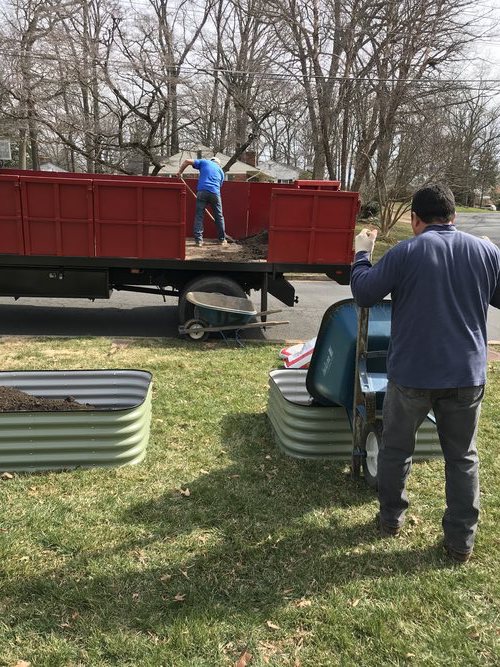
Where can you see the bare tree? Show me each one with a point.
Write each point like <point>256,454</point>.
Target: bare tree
<point>242,62</point>
<point>472,144</point>
<point>410,44</point>
<point>26,24</point>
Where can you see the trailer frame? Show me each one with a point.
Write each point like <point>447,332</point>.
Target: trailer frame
<point>97,277</point>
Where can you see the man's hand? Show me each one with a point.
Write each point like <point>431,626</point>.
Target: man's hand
<point>365,241</point>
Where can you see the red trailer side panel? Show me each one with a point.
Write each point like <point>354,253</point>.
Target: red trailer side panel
<point>234,207</point>
<point>142,219</point>
<point>235,196</point>
<point>312,226</point>
<point>11,222</point>
<point>259,205</point>
<point>57,216</point>
<point>318,185</point>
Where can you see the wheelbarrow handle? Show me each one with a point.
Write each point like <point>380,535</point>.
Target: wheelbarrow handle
<point>236,327</point>
<point>268,312</point>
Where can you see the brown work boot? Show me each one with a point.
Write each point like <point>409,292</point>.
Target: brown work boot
<point>385,529</point>
<point>457,556</point>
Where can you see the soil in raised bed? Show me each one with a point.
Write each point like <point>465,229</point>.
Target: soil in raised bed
<point>15,400</point>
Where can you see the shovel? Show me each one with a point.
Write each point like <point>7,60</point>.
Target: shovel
<point>229,239</point>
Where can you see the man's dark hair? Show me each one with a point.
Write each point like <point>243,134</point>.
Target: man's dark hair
<point>434,203</point>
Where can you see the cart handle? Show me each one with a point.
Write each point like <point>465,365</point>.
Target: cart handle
<point>235,327</point>
<point>268,312</point>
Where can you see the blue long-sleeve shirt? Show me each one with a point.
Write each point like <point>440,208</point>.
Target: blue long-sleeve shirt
<point>441,283</point>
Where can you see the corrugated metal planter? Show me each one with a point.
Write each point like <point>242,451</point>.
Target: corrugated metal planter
<point>115,433</point>
<point>306,430</point>
<point>303,430</point>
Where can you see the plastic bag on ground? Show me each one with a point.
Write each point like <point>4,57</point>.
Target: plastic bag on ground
<point>300,358</point>
<point>287,352</point>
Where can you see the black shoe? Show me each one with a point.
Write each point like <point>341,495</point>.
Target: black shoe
<point>198,243</point>
<point>385,529</point>
<point>222,242</point>
<point>457,556</point>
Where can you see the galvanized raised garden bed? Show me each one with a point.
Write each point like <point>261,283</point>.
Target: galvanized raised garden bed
<point>114,432</point>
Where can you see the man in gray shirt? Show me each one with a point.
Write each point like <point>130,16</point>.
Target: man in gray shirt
<point>441,283</point>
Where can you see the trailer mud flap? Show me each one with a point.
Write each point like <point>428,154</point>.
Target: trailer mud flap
<point>282,290</point>
<point>54,281</point>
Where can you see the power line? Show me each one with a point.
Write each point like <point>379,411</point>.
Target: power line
<point>212,71</point>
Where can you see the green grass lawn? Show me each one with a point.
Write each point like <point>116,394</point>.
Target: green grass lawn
<point>400,231</point>
<point>217,544</point>
<point>472,209</point>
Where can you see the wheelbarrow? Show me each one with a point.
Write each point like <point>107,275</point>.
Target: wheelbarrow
<point>342,393</point>
<point>349,369</point>
<point>219,313</point>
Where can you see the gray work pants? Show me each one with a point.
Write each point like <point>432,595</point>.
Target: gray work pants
<point>457,415</point>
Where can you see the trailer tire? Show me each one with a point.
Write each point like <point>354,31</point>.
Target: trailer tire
<point>371,439</point>
<point>216,283</point>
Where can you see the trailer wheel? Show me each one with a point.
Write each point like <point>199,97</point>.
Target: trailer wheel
<point>371,439</point>
<point>216,283</point>
<point>194,329</point>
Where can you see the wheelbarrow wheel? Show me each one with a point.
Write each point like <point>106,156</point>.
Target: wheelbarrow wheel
<point>206,283</point>
<point>371,439</point>
<point>195,329</point>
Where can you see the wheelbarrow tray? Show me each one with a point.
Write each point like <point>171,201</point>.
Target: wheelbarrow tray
<point>331,376</point>
<point>219,310</point>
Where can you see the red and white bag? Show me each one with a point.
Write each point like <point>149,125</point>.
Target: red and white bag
<point>301,357</point>
<point>287,352</point>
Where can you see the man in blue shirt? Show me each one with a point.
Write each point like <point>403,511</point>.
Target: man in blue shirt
<point>208,192</point>
<point>441,283</point>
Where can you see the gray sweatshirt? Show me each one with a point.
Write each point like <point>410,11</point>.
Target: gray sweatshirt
<point>441,284</point>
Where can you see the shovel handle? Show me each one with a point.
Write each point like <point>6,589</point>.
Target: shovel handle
<point>194,195</point>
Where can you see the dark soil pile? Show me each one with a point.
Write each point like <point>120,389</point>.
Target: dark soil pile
<point>256,245</point>
<point>250,249</point>
<point>14,400</point>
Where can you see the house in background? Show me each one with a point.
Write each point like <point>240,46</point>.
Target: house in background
<point>281,173</point>
<point>239,171</point>
<point>482,200</point>
<point>46,165</point>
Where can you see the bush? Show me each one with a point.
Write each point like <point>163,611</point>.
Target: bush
<point>369,210</point>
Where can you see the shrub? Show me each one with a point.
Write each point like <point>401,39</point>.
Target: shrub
<point>369,210</point>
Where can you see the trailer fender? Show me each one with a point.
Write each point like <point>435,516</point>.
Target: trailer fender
<point>280,288</point>
<point>207,283</point>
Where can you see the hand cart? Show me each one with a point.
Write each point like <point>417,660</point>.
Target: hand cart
<point>219,313</point>
<point>348,369</point>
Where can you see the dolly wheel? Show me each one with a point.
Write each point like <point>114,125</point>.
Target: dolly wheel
<point>195,329</point>
<point>371,439</point>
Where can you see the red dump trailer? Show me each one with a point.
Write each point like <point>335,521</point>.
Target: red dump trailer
<point>84,235</point>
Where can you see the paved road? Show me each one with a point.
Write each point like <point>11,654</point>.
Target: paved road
<point>480,224</point>
<point>129,314</point>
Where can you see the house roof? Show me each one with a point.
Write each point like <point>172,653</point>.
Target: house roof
<point>172,164</point>
<point>280,171</point>
<point>50,166</point>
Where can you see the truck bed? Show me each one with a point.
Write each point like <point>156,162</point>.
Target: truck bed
<point>246,250</point>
